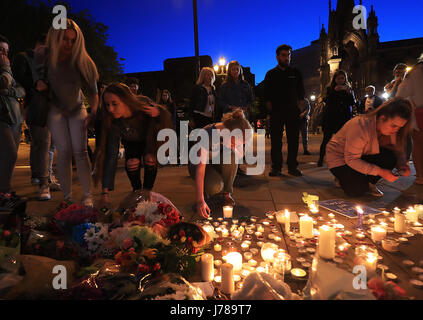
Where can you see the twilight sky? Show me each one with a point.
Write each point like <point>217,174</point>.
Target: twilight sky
<point>146,32</point>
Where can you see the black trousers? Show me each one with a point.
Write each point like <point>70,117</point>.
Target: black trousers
<point>292,127</point>
<point>327,135</point>
<point>356,184</point>
<point>136,150</point>
<point>201,121</point>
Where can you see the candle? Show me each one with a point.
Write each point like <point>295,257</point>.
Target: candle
<point>287,221</point>
<point>260,228</point>
<point>271,236</point>
<point>259,243</point>
<point>278,239</point>
<point>419,209</point>
<point>331,215</point>
<point>235,221</point>
<point>412,215</point>
<point>217,247</point>
<point>218,279</point>
<point>207,267</point>
<point>306,227</point>
<point>371,262</point>
<point>252,262</point>
<point>261,270</point>
<point>248,255</point>
<point>298,273</point>
<point>217,263</point>
<point>360,214</point>
<point>280,217</point>
<point>254,251</point>
<point>253,219</point>
<point>313,208</point>
<point>220,219</point>
<point>378,233</point>
<point>245,246</point>
<point>268,251</point>
<point>400,223</point>
<point>245,273</point>
<point>258,234</point>
<point>235,258</point>
<point>227,212</point>
<point>327,242</point>
<point>210,230</point>
<point>225,233</point>
<point>228,283</point>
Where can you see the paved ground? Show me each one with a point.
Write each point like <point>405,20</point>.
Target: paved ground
<point>254,195</point>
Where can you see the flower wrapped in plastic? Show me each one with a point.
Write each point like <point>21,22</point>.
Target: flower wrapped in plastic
<point>168,287</point>
<point>65,219</point>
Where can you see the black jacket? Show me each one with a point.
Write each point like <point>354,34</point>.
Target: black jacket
<point>338,110</point>
<point>199,99</point>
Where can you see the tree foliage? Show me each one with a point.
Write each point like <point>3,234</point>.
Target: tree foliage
<point>22,22</point>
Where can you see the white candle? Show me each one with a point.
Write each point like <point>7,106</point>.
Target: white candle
<point>287,221</point>
<point>225,233</point>
<point>378,233</point>
<point>207,267</point>
<point>400,223</point>
<point>306,227</point>
<point>280,217</point>
<point>210,230</point>
<point>235,258</point>
<point>412,215</point>
<point>227,212</point>
<point>228,284</point>
<point>245,246</point>
<point>371,262</point>
<point>419,209</point>
<point>268,251</point>
<point>327,242</point>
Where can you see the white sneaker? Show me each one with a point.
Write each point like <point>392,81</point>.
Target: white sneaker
<point>88,201</point>
<point>374,191</point>
<point>44,194</point>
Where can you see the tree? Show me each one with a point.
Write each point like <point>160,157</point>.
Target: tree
<point>23,21</point>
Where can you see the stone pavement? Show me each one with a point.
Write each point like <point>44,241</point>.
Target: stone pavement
<point>254,195</point>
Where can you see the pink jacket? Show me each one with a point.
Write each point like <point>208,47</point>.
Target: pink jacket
<point>358,138</point>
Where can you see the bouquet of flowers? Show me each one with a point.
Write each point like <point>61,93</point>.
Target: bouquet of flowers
<point>385,290</point>
<point>65,219</point>
<point>150,213</point>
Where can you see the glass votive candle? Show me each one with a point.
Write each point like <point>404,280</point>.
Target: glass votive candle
<point>245,273</point>
<point>245,246</point>
<point>254,251</point>
<point>217,247</point>
<point>271,236</point>
<point>217,263</point>
<point>253,219</point>
<point>278,239</point>
<point>220,219</point>
<point>259,228</point>
<point>258,234</point>
<point>235,221</point>
<point>378,233</point>
<point>252,262</point>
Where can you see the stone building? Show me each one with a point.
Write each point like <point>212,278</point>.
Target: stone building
<point>358,52</point>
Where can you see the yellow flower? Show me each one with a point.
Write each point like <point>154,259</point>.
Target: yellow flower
<point>183,239</point>
<point>149,253</point>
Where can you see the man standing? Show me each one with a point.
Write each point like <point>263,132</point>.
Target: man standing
<point>370,102</point>
<point>284,96</point>
<point>134,85</point>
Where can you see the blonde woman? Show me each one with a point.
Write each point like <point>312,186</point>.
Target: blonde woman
<point>65,69</point>
<point>216,177</point>
<point>203,99</point>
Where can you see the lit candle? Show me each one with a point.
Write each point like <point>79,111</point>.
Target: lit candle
<point>378,233</point>
<point>360,214</point>
<point>217,247</point>
<point>298,273</point>
<point>225,233</point>
<point>271,236</point>
<point>228,283</point>
<point>248,255</point>
<point>371,262</point>
<point>287,221</point>
<point>278,239</point>
<point>313,208</point>
<point>280,217</point>
<point>261,270</point>
<point>235,258</point>
<point>331,215</point>
<point>306,227</point>
<point>268,251</point>
<point>258,234</point>
<point>227,212</point>
<point>210,230</point>
<point>217,263</point>
<point>260,228</point>
<point>400,223</point>
<point>245,273</point>
<point>419,209</point>
<point>218,279</point>
<point>245,246</point>
<point>220,219</point>
<point>252,262</point>
<point>327,242</point>
<point>207,268</point>
<point>412,215</point>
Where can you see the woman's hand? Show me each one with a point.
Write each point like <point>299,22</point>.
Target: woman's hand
<point>153,112</point>
<point>203,209</point>
<point>388,175</point>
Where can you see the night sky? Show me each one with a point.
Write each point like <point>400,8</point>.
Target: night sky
<point>146,32</point>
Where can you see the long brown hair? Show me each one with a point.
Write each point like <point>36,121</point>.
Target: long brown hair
<point>335,75</point>
<point>229,78</point>
<point>396,107</point>
<point>137,106</point>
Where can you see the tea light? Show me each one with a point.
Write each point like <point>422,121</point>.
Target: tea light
<point>378,233</point>
<point>237,278</point>
<point>331,215</point>
<point>245,273</point>
<point>266,223</point>
<point>306,227</point>
<point>271,236</point>
<point>260,228</point>
<point>248,255</point>
<point>400,223</point>
<point>245,246</point>
<point>268,251</point>
<point>216,224</point>
<point>261,270</point>
<point>313,208</point>
<point>218,279</point>
<point>253,219</point>
<point>360,236</point>
<point>217,247</point>
<point>225,233</point>
<point>278,239</point>
<point>298,273</point>
<point>390,245</point>
<point>252,262</point>
<point>235,221</point>
<point>228,283</point>
<point>419,209</point>
<point>217,263</point>
<point>220,219</point>
<point>207,268</point>
<point>227,212</point>
<point>391,276</point>
<point>254,251</point>
<point>258,234</point>
<point>259,243</point>
<point>327,242</point>
<point>225,223</point>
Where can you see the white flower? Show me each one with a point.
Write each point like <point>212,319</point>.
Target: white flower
<point>149,211</point>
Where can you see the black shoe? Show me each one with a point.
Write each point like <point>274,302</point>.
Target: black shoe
<point>241,172</point>
<point>307,153</point>
<point>320,163</point>
<point>295,173</point>
<point>275,173</point>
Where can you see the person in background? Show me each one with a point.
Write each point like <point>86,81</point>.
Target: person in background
<point>370,102</point>
<point>338,111</point>
<point>284,95</point>
<point>11,119</point>
<point>203,100</point>
<point>136,120</point>
<point>235,93</point>
<point>65,69</point>
<point>41,150</point>
<point>411,88</point>
<point>369,147</point>
<point>216,177</point>
<point>399,74</point>
<point>134,85</point>
<point>305,118</point>
<point>166,100</point>
<point>316,117</point>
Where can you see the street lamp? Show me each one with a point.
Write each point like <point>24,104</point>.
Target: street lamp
<point>216,68</point>
<point>222,61</point>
